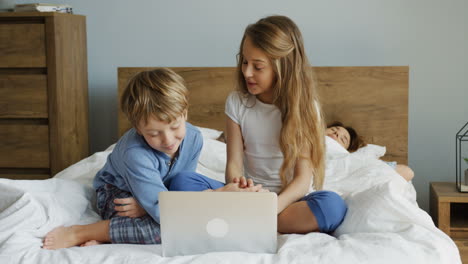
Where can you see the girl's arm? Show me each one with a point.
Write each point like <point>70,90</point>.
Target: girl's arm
<point>299,186</point>
<point>235,150</point>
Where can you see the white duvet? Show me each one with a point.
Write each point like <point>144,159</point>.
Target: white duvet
<point>383,224</point>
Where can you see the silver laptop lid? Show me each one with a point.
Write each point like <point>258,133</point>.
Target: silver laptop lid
<point>201,222</point>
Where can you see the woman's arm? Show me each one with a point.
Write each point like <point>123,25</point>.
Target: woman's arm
<point>299,186</point>
<point>406,172</point>
<point>235,150</point>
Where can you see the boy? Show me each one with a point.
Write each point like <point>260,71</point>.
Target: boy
<point>144,161</point>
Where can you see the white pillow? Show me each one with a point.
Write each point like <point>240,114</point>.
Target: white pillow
<point>372,150</point>
<point>334,149</point>
<point>212,161</point>
<point>209,133</point>
<point>340,164</point>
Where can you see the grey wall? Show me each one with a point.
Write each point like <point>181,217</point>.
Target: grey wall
<point>428,35</point>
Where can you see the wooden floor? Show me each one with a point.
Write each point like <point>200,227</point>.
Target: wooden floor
<point>463,247</point>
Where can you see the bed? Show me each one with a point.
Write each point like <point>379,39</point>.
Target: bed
<point>383,225</point>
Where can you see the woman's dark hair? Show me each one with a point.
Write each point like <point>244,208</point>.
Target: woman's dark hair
<point>355,141</point>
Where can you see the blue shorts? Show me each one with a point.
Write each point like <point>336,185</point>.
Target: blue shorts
<point>328,207</point>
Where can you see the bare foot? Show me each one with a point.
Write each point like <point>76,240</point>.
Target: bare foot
<point>61,237</point>
<point>91,243</point>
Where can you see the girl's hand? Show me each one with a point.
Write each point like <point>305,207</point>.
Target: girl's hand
<point>243,182</point>
<point>235,187</point>
<point>128,207</point>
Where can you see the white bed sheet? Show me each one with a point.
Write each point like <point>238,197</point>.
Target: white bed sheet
<point>383,225</point>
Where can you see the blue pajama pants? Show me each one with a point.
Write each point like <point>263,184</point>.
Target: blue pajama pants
<point>328,207</point>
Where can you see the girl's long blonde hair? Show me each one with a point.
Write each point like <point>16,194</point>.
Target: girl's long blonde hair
<point>295,94</point>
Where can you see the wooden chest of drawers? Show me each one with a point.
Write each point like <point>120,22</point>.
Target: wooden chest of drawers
<point>43,93</point>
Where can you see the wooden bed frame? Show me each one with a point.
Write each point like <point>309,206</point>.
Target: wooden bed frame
<point>373,100</point>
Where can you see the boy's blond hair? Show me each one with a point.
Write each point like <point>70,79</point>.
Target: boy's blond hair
<point>159,93</point>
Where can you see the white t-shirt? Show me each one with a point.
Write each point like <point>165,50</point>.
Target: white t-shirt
<point>260,124</point>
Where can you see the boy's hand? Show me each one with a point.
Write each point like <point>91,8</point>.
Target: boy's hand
<point>128,207</point>
<point>243,182</point>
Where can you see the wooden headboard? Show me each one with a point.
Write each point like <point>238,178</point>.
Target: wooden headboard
<point>373,100</point>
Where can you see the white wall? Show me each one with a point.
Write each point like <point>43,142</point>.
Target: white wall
<point>430,36</point>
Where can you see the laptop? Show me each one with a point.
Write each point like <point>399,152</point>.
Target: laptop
<point>202,222</point>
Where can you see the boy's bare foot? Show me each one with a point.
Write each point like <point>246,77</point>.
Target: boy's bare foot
<point>91,243</point>
<point>61,237</point>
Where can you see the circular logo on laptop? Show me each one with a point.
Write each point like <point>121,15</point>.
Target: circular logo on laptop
<point>217,227</point>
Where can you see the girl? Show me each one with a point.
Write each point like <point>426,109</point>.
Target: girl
<point>275,132</point>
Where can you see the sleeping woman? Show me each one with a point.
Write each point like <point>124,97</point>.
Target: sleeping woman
<point>347,137</point>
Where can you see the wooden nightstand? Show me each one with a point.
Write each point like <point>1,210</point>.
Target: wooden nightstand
<point>449,210</point>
